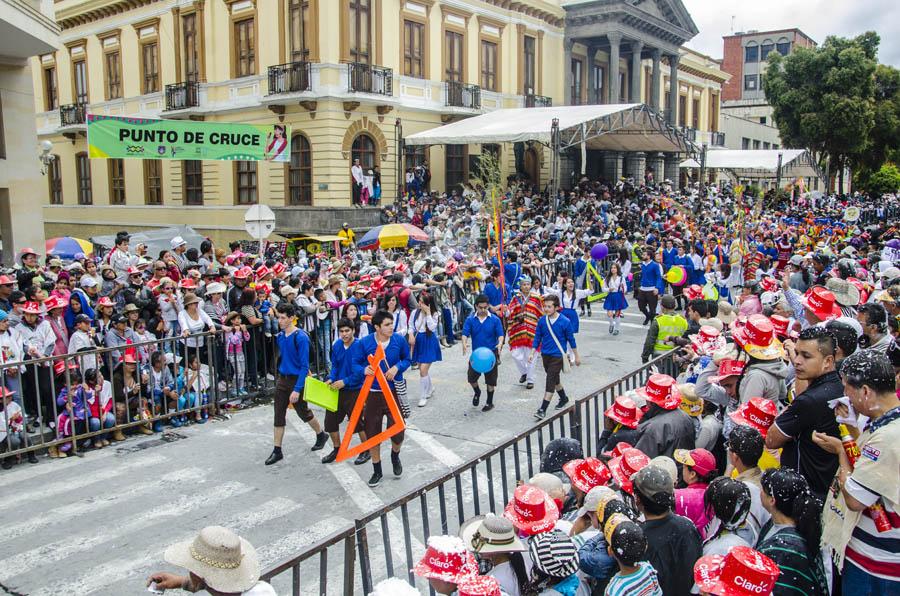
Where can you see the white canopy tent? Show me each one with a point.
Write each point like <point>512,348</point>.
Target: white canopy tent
<point>760,163</point>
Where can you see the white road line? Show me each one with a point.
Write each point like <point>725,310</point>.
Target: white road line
<point>45,491</point>
<point>112,571</point>
<point>74,543</point>
<point>113,495</point>
<point>293,544</point>
<point>27,471</point>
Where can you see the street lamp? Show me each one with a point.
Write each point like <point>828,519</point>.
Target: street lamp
<point>46,158</point>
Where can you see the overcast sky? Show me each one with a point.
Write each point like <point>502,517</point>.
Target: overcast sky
<point>816,18</point>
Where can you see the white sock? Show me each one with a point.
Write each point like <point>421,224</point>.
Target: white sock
<point>423,385</point>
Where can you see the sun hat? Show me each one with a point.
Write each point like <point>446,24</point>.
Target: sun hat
<point>287,289</point>
<point>587,473</point>
<point>490,534</point>
<point>177,241</point>
<point>716,324</point>
<point>624,411</point>
<point>215,287</point>
<point>279,268</point>
<point>768,284</point>
<point>757,338</point>
<point>626,466</point>
<point>618,449</point>
<point>130,307</point>
<point>187,283</point>
<point>691,404</point>
<point>393,586</point>
<point>88,282</point>
<point>225,561</point>
<point>31,308</point>
<point>890,274</point>
<point>594,498</point>
<point>742,572</point>
<point>702,461</point>
<point>447,559</point>
<point>758,412</point>
<point>667,465</point>
<point>726,313</point>
<point>661,390</point>
<point>190,299</point>
<point>531,510</point>
<point>707,340</point>
<point>54,302</point>
<point>655,484</point>
<point>262,271</point>
<point>105,301</point>
<point>728,368</point>
<point>554,554</point>
<point>822,303</point>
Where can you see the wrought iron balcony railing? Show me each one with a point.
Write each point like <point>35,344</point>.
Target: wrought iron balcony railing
<point>292,77</point>
<point>180,96</point>
<point>460,95</point>
<point>365,78</point>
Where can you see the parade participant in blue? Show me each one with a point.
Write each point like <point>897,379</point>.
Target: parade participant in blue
<point>670,253</point>
<point>569,297</point>
<point>485,331</point>
<point>685,261</point>
<point>426,349</point>
<point>651,285</point>
<point>342,378</point>
<point>498,293</point>
<point>615,301</point>
<point>553,337</point>
<point>583,276</point>
<point>396,362</point>
<point>512,271</point>
<point>293,366</point>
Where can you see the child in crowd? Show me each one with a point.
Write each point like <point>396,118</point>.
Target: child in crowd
<point>234,350</point>
<point>73,413</point>
<point>196,387</point>
<point>97,395</point>
<point>264,305</point>
<point>697,471</point>
<point>628,546</point>
<point>12,424</point>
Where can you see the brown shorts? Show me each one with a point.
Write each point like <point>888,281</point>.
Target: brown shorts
<point>283,388</point>
<point>490,377</point>
<point>552,366</point>
<point>346,401</point>
<point>374,411</point>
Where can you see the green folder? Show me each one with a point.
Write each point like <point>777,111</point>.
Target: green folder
<point>319,393</point>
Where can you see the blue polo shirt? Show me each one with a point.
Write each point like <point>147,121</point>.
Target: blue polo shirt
<point>495,294</point>
<point>484,334</point>
<point>396,354</point>
<point>342,364</point>
<point>562,329</point>
<point>294,349</point>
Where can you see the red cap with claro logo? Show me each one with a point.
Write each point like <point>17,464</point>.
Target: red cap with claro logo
<point>531,510</point>
<point>585,474</point>
<point>742,572</point>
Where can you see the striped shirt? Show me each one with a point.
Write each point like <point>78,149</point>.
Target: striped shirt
<point>642,582</point>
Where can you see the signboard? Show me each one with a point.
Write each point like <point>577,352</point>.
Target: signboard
<point>112,137</point>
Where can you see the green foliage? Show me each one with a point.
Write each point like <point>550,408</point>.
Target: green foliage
<point>753,190</point>
<point>885,180</point>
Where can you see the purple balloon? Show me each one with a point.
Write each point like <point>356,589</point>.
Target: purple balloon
<point>599,251</point>
<point>893,243</point>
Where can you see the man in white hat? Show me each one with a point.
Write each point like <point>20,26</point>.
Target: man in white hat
<point>179,247</point>
<point>218,561</point>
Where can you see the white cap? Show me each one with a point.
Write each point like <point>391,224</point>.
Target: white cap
<point>88,282</point>
<point>177,241</point>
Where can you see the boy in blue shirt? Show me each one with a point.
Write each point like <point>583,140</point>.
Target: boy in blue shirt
<point>342,378</point>
<point>486,331</point>
<point>553,337</point>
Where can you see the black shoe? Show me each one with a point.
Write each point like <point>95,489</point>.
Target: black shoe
<point>476,399</point>
<point>395,463</point>
<point>7,463</point>
<point>375,480</point>
<point>362,458</point>
<point>32,458</point>
<point>274,458</point>
<point>321,439</point>
<point>330,457</point>
<point>529,386</point>
<point>562,403</point>
<point>646,322</point>
<point>487,407</point>
<point>540,414</point>
<point>522,379</point>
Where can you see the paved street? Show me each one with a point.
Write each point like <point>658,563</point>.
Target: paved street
<point>99,524</point>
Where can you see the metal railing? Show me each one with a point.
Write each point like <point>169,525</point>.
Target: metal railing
<point>689,133</point>
<point>292,77</point>
<point>180,96</point>
<point>72,114</point>
<point>537,101</point>
<point>387,542</point>
<point>461,95</point>
<point>365,78</point>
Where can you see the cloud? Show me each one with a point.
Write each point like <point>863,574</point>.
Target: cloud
<point>816,18</point>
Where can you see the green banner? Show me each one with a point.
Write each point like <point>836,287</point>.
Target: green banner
<point>112,137</point>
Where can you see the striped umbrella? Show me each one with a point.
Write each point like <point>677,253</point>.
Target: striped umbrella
<point>66,247</point>
<point>392,236</point>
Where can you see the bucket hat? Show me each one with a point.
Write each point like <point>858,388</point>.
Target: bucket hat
<point>742,572</point>
<point>587,473</point>
<point>447,559</point>
<point>191,299</point>
<point>691,404</point>
<point>662,391</point>
<point>726,313</point>
<point>554,554</point>
<point>490,534</point>
<point>627,465</point>
<point>531,510</point>
<point>758,339</point>
<point>757,412</point>
<point>226,562</point>
<point>707,340</point>
<point>822,303</point>
<point>215,287</point>
<point>624,411</point>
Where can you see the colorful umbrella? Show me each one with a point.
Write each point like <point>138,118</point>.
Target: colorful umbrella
<point>67,247</point>
<point>392,236</point>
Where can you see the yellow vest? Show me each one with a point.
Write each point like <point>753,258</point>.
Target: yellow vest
<point>669,326</point>
<point>635,257</point>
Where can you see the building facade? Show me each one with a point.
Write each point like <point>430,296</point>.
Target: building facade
<point>28,30</point>
<point>348,76</point>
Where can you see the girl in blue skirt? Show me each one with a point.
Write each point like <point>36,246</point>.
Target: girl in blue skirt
<point>423,340</point>
<point>615,301</point>
<point>569,297</point>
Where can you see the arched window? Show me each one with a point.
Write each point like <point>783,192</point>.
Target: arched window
<point>364,151</point>
<point>299,172</point>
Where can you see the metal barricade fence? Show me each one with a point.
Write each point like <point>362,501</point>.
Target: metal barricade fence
<point>388,542</point>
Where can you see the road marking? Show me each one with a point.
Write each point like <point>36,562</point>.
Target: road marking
<point>71,544</point>
<point>291,545</point>
<point>105,473</point>
<point>101,577</point>
<point>114,494</point>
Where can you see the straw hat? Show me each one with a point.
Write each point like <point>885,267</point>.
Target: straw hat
<point>758,339</point>
<point>226,562</point>
<point>490,534</point>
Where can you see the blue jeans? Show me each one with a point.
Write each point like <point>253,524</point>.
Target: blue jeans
<point>323,341</point>
<point>856,582</point>
<point>109,421</point>
<point>447,318</point>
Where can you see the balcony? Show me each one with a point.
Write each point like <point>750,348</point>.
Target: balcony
<point>293,77</point>
<point>365,78</point>
<point>72,114</point>
<point>537,101</point>
<point>460,95</point>
<point>181,96</point>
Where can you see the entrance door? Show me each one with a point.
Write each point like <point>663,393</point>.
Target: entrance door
<point>533,165</point>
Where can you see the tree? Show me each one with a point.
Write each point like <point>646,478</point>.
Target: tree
<point>885,180</point>
<point>824,98</point>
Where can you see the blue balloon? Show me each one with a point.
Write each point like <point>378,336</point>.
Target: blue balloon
<point>599,251</point>
<point>483,360</point>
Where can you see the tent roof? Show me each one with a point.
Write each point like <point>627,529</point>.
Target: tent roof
<point>758,159</point>
<point>615,127</point>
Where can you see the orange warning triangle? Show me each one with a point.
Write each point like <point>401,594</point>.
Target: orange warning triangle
<point>345,451</point>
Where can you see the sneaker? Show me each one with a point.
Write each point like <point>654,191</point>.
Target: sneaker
<point>321,439</point>
<point>540,414</point>
<point>487,407</point>
<point>331,456</point>
<point>362,458</point>
<point>275,457</point>
<point>615,332</point>
<point>521,379</point>
<point>562,403</point>
<point>7,463</point>
<point>530,385</point>
<point>423,401</point>
<point>375,480</point>
<point>32,458</point>
<point>397,466</point>
<point>270,377</point>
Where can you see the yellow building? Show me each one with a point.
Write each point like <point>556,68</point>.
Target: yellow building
<point>346,75</point>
